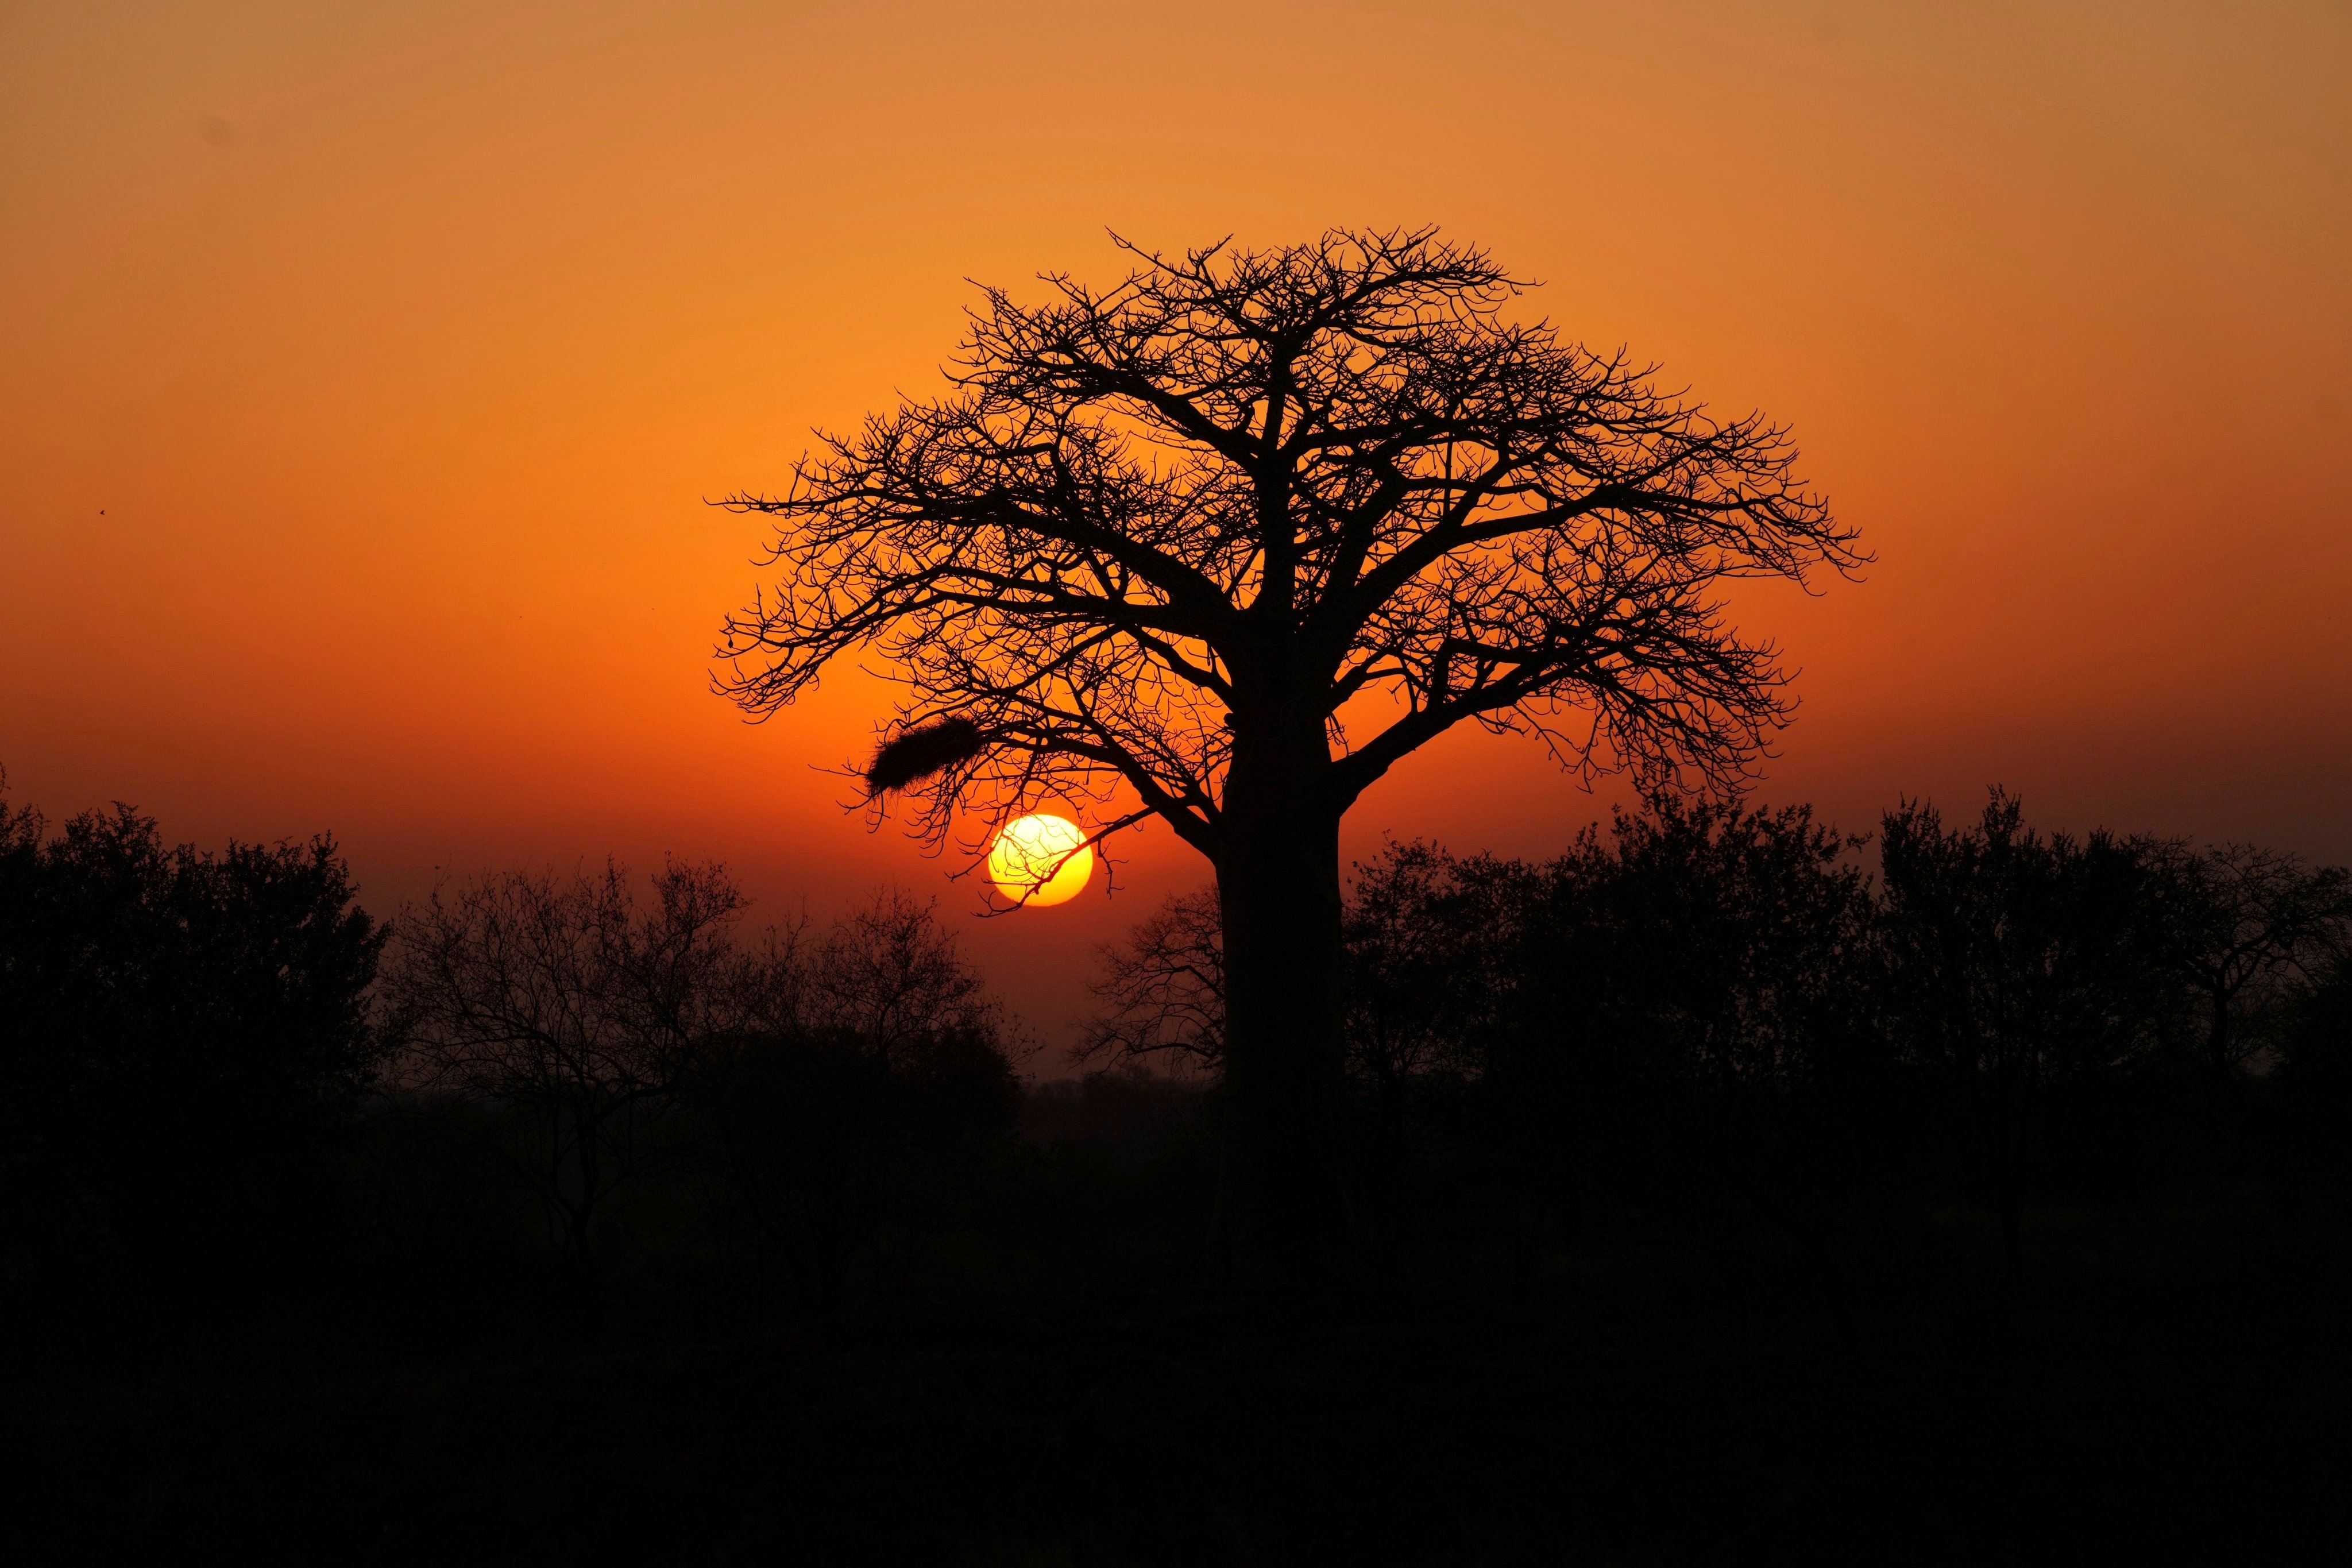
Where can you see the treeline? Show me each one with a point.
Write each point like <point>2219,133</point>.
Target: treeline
<point>1716,1003</point>
<point>777,1112</point>
<point>226,1078</point>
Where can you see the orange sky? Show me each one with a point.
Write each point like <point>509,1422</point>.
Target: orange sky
<point>398,345</point>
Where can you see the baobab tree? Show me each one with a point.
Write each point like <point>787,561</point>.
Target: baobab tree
<point>1222,543</point>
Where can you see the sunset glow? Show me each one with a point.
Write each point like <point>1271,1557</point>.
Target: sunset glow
<point>369,368</point>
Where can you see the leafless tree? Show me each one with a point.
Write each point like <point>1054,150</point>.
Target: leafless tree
<point>846,1116</point>
<point>888,973</point>
<point>2259,921</point>
<point>571,1006</point>
<point>1223,543</point>
<point>1162,989</point>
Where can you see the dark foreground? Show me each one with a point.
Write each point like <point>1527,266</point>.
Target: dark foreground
<point>1710,1201</point>
<point>2171,1380</point>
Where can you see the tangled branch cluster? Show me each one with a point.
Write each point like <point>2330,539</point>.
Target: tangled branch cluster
<point>1333,481</point>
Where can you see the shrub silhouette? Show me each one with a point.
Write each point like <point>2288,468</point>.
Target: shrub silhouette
<point>186,1032</point>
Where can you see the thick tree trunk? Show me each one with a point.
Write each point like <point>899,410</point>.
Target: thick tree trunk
<point>1278,891</point>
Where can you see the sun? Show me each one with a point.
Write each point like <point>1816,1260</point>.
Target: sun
<point>1041,848</point>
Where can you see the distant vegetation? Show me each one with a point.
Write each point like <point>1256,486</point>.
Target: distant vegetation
<point>1701,1069</point>
<point>1714,997</point>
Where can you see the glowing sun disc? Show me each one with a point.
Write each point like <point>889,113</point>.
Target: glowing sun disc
<point>1045,850</point>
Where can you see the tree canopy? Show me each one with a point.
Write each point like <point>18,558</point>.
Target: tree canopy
<point>1239,496</point>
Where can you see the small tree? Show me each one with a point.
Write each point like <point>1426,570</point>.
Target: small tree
<point>185,1033</point>
<point>1162,988</point>
<point>864,1092</point>
<point>2261,923</point>
<point>577,1011</point>
<point>1223,544</point>
<point>2019,965</point>
<point>1722,943</point>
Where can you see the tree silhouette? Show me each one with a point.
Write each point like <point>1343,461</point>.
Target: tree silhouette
<point>184,1035</point>
<point>1223,543</point>
<point>849,1114</point>
<point>2018,966</point>
<point>572,1007</point>
<point>1162,988</point>
<point>2261,921</point>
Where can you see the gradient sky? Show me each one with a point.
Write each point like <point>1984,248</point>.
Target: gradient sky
<point>398,345</point>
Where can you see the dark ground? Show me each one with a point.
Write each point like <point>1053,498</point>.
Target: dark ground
<point>2169,1382</point>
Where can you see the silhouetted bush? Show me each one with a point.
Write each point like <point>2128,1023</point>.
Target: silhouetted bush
<point>188,1037</point>
<point>2026,979</point>
<point>850,1117</point>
